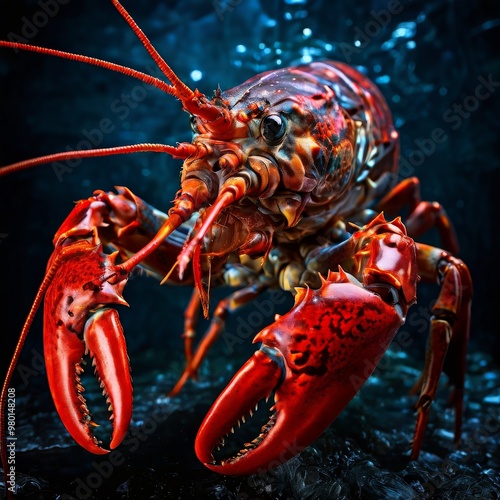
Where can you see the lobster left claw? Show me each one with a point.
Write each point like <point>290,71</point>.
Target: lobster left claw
<point>317,356</point>
<point>76,322</point>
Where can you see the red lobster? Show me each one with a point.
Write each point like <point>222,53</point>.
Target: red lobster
<point>283,185</point>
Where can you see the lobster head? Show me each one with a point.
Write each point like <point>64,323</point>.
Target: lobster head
<point>294,146</point>
<point>282,136</point>
<point>277,150</point>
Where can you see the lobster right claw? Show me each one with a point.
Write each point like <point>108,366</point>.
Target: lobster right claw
<point>316,357</point>
<point>76,323</point>
<point>314,360</point>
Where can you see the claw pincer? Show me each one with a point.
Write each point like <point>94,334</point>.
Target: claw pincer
<point>76,323</point>
<point>315,357</point>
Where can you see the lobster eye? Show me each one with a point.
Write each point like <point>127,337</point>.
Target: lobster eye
<point>194,125</point>
<point>273,128</point>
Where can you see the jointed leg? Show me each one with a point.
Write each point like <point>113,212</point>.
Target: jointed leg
<point>448,336</point>
<point>424,215</point>
<point>226,306</point>
<point>191,315</point>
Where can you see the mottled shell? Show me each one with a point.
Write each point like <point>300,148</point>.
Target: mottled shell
<point>340,131</point>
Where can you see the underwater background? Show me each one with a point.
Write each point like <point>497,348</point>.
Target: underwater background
<point>428,59</point>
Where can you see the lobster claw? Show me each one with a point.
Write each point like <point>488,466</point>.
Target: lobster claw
<point>77,323</point>
<point>314,359</point>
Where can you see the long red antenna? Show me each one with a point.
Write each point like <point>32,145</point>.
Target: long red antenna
<point>15,358</point>
<point>183,91</point>
<point>93,61</point>
<point>194,102</point>
<point>182,151</point>
<point>179,90</point>
<point>190,100</point>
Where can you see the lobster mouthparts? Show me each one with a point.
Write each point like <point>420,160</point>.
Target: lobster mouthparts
<point>314,358</point>
<point>76,323</point>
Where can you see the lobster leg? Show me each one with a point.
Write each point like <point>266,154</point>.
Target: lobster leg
<point>448,336</point>
<point>449,328</point>
<point>191,316</point>
<point>225,307</point>
<point>423,215</point>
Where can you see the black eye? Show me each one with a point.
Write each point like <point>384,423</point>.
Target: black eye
<point>194,125</point>
<point>273,128</point>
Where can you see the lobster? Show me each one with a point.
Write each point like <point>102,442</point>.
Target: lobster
<point>285,185</point>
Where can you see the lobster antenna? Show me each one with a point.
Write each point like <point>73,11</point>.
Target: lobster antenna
<point>15,358</point>
<point>183,90</point>
<point>178,89</point>
<point>194,102</point>
<point>93,61</point>
<point>182,151</point>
